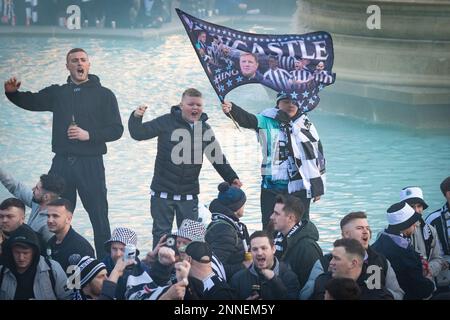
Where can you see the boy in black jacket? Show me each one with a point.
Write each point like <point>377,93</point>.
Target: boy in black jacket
<point>183,138</point>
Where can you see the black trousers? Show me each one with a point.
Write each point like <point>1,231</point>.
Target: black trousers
<point>268,200</point>
<point>163,212</point>
<point>87,176</point>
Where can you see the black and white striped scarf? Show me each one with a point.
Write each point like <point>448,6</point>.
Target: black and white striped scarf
<point>304,167</point>
<point>280,240</point>
<point>240,227</point>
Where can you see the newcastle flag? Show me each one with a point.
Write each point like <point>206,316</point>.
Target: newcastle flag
<point>298,65</point>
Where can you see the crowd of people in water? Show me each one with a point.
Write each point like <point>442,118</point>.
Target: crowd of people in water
<point>128,13</point>
<point>42,256</point>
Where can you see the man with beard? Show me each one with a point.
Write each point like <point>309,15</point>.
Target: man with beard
<point>48,188</point>
<point>66,242</point>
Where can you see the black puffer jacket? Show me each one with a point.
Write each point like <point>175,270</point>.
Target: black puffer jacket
<point>180,179</point>
<point>93,107</point>
<point>225,238</point>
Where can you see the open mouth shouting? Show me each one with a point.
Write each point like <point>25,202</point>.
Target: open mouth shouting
<point>80,72</point>
<point>261,262</point>
<point>365,240</point>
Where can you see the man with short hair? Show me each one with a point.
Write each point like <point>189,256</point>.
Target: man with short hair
<point>248,63</point>
<point>85,117</point>
<point>279,78</point>
<point>342,289</point>
<point>355,226</point>
<point>66,241</point>
<point>48,188</point>
<point>424,239</point>
<point>347,262</point>
<point>183,138</point>
<point>412,275</point>
<point>25,274</point>
<point>301,74</point>
<point>12,215</point>
<point>267,278</point>
<point>296,240</point>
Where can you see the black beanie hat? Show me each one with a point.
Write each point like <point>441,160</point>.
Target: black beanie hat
<point>231,197</point>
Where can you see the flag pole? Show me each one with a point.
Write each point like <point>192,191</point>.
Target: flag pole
<point>234,121</point>
<point>229,113</point>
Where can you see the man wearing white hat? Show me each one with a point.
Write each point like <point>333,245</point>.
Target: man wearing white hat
<point>425,238</point>
<point>395,245</point>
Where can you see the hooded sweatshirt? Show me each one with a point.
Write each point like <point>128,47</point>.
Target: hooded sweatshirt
<point>93,107</point>
<point>35,282</point>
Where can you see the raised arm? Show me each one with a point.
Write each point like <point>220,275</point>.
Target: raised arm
<point>40,101</point>
<point>243,118</point>
<point>18,189</point>
<point>144,131</point>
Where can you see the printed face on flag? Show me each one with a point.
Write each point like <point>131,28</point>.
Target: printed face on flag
<point>299,65</point>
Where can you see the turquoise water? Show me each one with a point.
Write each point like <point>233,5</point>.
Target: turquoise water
<point>367,164</point>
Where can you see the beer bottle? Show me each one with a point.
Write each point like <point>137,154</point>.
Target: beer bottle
<point>73,123</point>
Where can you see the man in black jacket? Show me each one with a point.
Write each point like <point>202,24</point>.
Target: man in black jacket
<point>296,240</point>
<point>66,242</point>
<point>226,234</point>
<point>85,117</point>
<point>183,138</point>
<point>355,226</point>
<point>412,274</point>
<point>267,278</point>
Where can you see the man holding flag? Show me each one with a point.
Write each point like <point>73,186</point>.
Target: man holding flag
<point>293,161</point>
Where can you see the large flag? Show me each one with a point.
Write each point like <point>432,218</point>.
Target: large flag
<point>298,65</point>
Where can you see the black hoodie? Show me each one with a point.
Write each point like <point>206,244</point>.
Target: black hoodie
<point>23,235</point>
<point>93,107</point>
